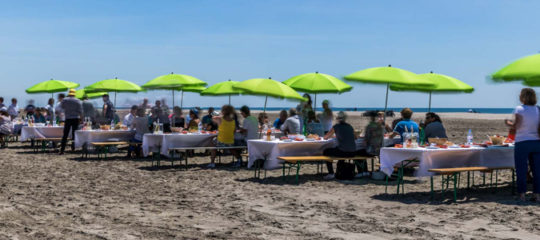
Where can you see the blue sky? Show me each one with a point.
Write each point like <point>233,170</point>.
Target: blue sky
<point>88,41</point>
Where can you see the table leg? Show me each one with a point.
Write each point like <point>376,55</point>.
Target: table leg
<point>431,181</point>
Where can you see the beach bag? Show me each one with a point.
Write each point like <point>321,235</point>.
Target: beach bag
<point>345,171</point>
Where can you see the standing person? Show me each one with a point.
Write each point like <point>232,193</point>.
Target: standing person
<point>281,119</point>
<point>292,124</point>
<point>434,127</point>
<point>2,105</point>
<point>302,109</point>
<point>527,142</point>
<point>88,109</point>
<point>108,109</point>
<point>6,128</point>
<point>226,129</point>
<point>207,119</point>
<point>263,120</point>
<point>73,112</point>
<point>128,119</point>
<point>58,111</point>
<point>250,126</point>
<point>13,109</point>
<point>50,110</point>
<point>405,124</point>
<point>327,116</point>
<point>346,146</point>
<point>160,112</point>
<point>145,105</point>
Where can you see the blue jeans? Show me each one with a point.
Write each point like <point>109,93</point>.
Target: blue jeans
<point>523,152</point>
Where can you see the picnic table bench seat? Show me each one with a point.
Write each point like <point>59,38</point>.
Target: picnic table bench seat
<point>41,143</point>
<point>297,161</point>
<point>452,175</point>
<point>102,148</point>
<point>184,156</point>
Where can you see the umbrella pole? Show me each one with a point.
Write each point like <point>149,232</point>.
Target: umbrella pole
<point>115,99</point>
<point>429,107</point>
<point>182,99</point>
<point>315,104</point>
<point>265,100</point>
<point>386,102</point>
<point>229,99</point>
<point>172,122</point>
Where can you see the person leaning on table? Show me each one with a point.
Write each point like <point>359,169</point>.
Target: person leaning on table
<point>406,124</point>
<point>527,142</point>
<point>346,146</point>
<point>73,112</point>
<point>434,127</point>
<point>225,138</point>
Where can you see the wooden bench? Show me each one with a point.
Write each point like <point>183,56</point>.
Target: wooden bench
<point>103,148</point>
<point>297,161</point>
<point>184,155</point>
<point>41,143</point>
<point>452,174</point>
<point>490,170</point>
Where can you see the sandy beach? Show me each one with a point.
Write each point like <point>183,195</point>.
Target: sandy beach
<point>47,196</point>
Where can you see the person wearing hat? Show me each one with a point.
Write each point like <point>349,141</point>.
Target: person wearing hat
<point>346,146</point>
<point>194,120</point>
<point>73,112</point>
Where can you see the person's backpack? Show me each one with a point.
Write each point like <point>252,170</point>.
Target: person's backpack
<point>345,171</point>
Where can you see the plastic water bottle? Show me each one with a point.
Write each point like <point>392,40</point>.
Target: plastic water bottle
<point>469,137</point>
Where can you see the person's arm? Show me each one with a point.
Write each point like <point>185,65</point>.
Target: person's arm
<point>395,132</point>
<point>329,134</point>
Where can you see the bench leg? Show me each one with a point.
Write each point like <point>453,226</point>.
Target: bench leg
<point>513,182</point>
<point>297,171</point>
<point>496,179</point>
<point>431,193</point>
<point>455,187</point>
<point>468,179</point>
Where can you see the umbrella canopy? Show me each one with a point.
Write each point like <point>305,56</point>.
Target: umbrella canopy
<point>388,75</point>
<point>443,83</point>
<point>172,82</point>
<point>521,69</point>
<point>114,85</point>
<point>81,93</point>
<point>223,88</point>
<point>268,88</point>
<point>52,86</point>
<point>317,83</point>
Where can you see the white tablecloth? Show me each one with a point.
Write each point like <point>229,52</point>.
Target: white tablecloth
<point>271,150</point>
<point>28,133</point>
<point>387,142</point>
<point>168,141</point>
<point>447,158</point>
<point>87,136</point>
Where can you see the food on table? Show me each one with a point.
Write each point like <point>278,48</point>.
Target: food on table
<point>105,127</point>
<point>283,138</point>
<point>298,139</point>
<point>193,130</point>
<point>398,146</point>
<point>497,139</point>
<point>438,141</point>
<point>176,129</point>
<point>509,140</point>
<point>464,146</point>
<point>313,136</point>
<point>185,132</point>
<point>203,131</point>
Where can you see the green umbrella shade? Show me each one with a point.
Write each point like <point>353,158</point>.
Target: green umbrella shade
<point>223,88</point>
<point>81,93</point>
<point>443,83</point>
<point>114,85</point>
<point>317,83</point>
<point>172,82</point>
<point>388,75</point>
<point>52,86</point>
<point>521,69</point>
<point>268,87</point>
<point>196,89</point>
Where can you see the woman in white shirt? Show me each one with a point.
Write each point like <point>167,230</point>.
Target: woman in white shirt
<point>527,147</point>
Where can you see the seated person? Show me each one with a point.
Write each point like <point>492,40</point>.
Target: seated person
<point>250,128</point>
<point>177,118</point>
<point>128,119</point>
<point>38,115</point>
<point>313,126</point>
<point>141,127</point>
<point>263,120</point>
<point>405,125</point>
<point>292,124</point>
<point>279,121</point>
<point>346,145</point>
<point>5,125</point>
<point>207,119</point>
<point>194,121</point>
<point>434,127</point>
<point>373,138</point>
<point>380,120</point>
<point>225,138</point>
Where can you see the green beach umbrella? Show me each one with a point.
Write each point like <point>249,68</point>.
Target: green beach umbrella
<point>114,85</point>
<point>268,88</point>
<point>52,86</point>
<point>443,84</point>
<point>387,76</point>
<point>223,88</point>
<point>317,83</point>
<point>521,69</point>
<point>174,82</point>
<point>194,88</point>
<point>81,93</point>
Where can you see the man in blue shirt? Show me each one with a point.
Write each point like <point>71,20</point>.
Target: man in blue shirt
<point>406,124</point>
